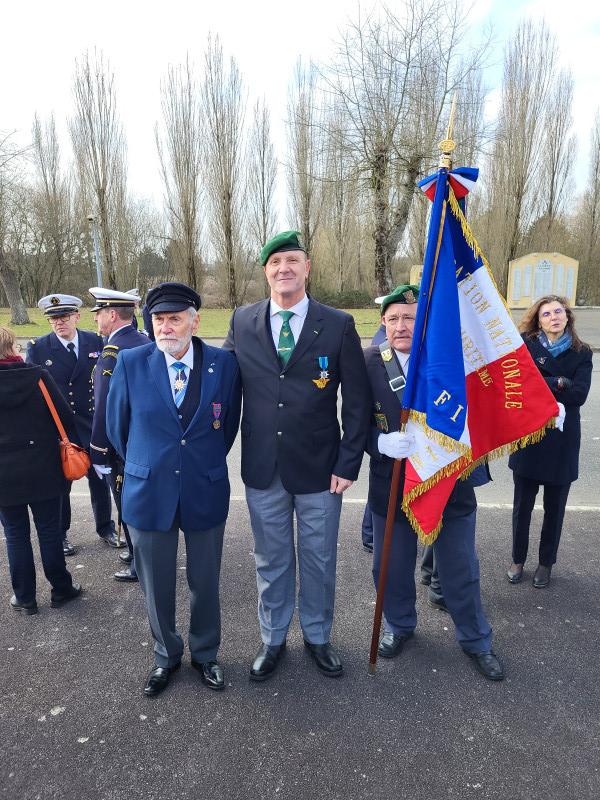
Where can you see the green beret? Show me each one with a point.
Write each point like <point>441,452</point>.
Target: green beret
<point>288,240</point>
<point>407,293</point>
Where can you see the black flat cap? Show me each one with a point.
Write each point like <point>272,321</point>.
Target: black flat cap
<point>172,297</point>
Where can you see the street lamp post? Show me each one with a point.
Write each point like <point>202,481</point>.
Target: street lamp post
<point>94,224</point>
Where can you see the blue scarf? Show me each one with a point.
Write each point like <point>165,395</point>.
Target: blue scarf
<point>559,346</point>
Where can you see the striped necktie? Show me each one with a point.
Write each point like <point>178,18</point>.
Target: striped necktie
<point>180,386</point>
<point>286,338</point>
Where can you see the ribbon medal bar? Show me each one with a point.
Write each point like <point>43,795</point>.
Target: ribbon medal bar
<point>323,379</point>
<point>216,414</point>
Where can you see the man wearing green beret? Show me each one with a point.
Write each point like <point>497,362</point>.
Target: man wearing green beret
<point>295,356</point>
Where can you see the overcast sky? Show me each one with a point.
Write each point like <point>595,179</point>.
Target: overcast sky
<point>42,38</point>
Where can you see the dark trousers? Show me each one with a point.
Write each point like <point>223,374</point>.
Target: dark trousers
<point>367,527</point>
<point>555,501</point>
<point>429,570</point>
<point>458,565</point>
<point>46,516</point>
<point>100,497</point>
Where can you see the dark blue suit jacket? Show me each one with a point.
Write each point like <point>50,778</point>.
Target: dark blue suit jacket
<point>123,339</point>
<point>290,423</point>
<point>74,382</point>
<point>169,469</point>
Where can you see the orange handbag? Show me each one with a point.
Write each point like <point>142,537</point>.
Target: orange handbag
<point>74,459</point>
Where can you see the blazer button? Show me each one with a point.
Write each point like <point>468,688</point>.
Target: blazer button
<point>31,441</point>
<point>183,441</point>
<point>282,377</point>
<point>176,472</point>
<point>279,405</point>
<point>70,394</point>
<point>279,433</point>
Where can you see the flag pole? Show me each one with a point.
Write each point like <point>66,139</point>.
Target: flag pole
<point>446,146</point>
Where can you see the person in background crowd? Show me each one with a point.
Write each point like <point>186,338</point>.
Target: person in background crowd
<point>115,312</point>
<point>70,355</point>
<point>565,362</point>
<point>31,477</point>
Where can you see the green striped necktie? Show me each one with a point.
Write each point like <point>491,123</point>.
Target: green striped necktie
<point>286,338</point>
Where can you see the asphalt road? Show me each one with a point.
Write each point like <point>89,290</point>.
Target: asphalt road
<point>74,722</point>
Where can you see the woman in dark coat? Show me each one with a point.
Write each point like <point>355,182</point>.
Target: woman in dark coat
<point>565,362</point>
<point>31,475</point>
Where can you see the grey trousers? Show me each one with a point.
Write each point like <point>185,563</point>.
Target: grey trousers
<point>156,563</point>
<point>317,520</point>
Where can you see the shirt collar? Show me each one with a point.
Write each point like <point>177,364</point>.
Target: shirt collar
<point>65,342</point>
<point>118,329</point>
<point>300,309</point>
<point>187,359</point>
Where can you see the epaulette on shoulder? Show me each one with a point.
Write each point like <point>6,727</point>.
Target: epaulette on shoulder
<point>111,350</point>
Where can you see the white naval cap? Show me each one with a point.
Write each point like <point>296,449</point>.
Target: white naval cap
<point>54,305</point>
<point>111,298</point>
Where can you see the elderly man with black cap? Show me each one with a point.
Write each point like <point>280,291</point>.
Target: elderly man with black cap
<point>295,356</point>
<point>115,312</point>
<point>70,354</point>
<point>172,414</point>
<point>454,549</point>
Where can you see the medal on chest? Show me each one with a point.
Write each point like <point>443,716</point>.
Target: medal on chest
<point>323,379</point>
<point>216,414</point>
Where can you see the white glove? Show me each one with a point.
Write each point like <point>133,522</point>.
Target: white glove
<point>560,420</point>
<point>396,444</point>
<point>101,470</point>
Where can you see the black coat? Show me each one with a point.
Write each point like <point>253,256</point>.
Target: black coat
<point>555,460</point>
<point>385,418</point>
<point>74,381</point>
<point>289,424</point>
<point>30,467</point>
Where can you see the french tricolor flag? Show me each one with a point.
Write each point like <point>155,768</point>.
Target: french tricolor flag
<point>472,388</point>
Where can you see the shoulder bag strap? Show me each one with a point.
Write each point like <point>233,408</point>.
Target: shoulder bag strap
<point>53,411</point>
<point>396,378</point>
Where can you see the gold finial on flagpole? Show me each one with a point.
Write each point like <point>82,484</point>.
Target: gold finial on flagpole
<point>448,144</point>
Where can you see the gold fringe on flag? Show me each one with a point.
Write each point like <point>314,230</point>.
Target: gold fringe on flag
<point>466,467</point>
<point>446,442</point>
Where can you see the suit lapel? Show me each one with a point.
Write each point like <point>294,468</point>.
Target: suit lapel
<point>83,356</point>
<point>158,369</point>
<point>62,354</point>
<point>313,324</point>
<point>263,331</point>
<point>210,376</point>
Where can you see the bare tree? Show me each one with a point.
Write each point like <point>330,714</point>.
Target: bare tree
<point>518,152</point>
<point>261,177</point>
<point>306,153</point>
<point>589,215</point>
<point>9,276</point>
<point>99,146</point>
<point>180,153</point>
<point>223,112</point>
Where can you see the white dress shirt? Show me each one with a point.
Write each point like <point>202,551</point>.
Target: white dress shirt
<point>403,359</point>
<point>187,359</point>
<point>66,342</point>
<point>296,322</point>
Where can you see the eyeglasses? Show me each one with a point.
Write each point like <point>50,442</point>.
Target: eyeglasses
<point>405,318</point>
<point>62,318</point>
<point>557,312</point>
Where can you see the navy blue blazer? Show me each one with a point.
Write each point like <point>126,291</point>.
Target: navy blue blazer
<point>555,459</point>
<point>74,382</point>
<point>124,339</point>
<point>290,422</point>
<point>168,468</point>
<point>385,418</point>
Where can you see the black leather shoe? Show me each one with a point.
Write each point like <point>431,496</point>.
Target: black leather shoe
<point>112,540</point>
<point>158,679</point>
<point>438,603</point>
<point>126,575</point>
<point>126,557</point>
<point>541,578</point>
<point>211,674</point>
<point>68,548</point>
<point>327,660</point>
<point>265,661</point>
<point>391,644</point>
<point>57,600</point>
<point>368,546</point>
<point>489,665</point>
<point>26,608</point>
<point>515,577</point>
